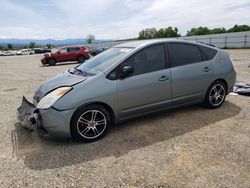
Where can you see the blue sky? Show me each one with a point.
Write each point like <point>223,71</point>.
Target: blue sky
<point>114,19</point>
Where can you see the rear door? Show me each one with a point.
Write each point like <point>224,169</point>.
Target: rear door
<point>149,87</point>
<point>190,71</point>
<point>73,53</point>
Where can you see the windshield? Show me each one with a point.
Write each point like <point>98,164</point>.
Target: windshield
<point>104,60</point>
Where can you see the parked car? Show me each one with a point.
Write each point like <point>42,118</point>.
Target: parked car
<point>25,52</point>
<point>41,50</point>
<point>69,53</point>
<point>8,53</point>
<point>98,51</point>
<point>1,53</point>
<point>128,81</point>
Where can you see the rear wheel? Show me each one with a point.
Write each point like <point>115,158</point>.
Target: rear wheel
<point>90,123</point>
<point>52,62</point>
<point>216,95</point>
<point>80,59</point>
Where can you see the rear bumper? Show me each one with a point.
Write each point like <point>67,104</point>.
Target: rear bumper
<point>49,122</point>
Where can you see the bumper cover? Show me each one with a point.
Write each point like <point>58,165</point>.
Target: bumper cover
<point>49,122</point>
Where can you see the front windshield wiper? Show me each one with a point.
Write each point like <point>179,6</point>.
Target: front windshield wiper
<point>81,71</point>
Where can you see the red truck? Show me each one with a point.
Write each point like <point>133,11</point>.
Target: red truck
<point>67,53</point>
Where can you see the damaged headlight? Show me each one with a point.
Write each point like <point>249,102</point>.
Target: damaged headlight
<point>49,99</point>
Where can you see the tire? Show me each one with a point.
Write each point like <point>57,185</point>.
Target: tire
<point>84,123</point>
<point>80,59</point>
<point>52,62</point>
<point>216,95</point>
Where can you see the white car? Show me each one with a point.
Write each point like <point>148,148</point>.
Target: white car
<point>8,53</point>
<point>1,53</point>
<point>25,52</point>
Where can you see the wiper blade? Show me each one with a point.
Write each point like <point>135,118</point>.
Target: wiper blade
<point>81,71</point>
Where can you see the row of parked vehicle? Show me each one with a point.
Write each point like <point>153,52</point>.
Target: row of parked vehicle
<point>25,52</point>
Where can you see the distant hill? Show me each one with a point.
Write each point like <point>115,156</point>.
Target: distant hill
<point>43,42</point>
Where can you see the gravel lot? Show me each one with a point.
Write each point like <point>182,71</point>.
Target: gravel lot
<point>187,147</point>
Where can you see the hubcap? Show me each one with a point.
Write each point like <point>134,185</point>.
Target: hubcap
<point>91,124</point>
<point>217,95</point>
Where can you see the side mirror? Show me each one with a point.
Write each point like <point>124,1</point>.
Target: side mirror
<point>58,52</point>
<point>125,71</point>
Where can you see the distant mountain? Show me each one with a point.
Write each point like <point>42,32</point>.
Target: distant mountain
<point>43,42</point>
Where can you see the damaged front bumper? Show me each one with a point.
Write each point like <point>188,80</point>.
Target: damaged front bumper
<point>29,117</point>
<point>49,122</point>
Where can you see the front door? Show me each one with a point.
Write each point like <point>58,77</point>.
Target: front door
<point>149,87</point>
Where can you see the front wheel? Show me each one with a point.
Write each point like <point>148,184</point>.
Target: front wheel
<point>80,59</point>
<point>90,123</point>
<point>52,62</point>
<point>215,95</point>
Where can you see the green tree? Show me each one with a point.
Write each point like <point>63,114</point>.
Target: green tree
<point>167,32</point>
<point>9,47</point>
<point>32,45</point>
<point>148,33</point>
<point>218,30</point>
<point>2,48</point>
<point>199,31</point>
<point>50,46</point>
<point>239,28</point>
<point>90,38</point>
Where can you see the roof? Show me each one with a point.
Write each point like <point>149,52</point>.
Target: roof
<point>140,43</point>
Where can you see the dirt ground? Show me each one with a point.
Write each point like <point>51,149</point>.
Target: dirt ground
<point>187,147</point>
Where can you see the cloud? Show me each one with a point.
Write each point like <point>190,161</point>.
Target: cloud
<point>114,19</point>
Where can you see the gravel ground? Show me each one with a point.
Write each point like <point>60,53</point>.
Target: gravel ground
<point>187,147</point>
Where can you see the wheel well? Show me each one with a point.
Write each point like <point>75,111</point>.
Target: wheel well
<point>51,58</point>
<point>224,81</point>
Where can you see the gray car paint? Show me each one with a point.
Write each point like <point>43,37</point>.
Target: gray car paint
<point>137,95</point>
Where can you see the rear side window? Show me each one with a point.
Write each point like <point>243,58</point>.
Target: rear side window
<point>209,53</point>
<point>183,54</point>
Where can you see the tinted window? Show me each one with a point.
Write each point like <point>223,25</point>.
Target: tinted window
<point>209,53</point>
<point>183,54</point>
<point>73,49</point>
<point>147,60</point>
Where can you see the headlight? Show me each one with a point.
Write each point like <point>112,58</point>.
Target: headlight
<point>52,97</point>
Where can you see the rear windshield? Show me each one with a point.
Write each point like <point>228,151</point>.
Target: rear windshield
<point>102,61</point>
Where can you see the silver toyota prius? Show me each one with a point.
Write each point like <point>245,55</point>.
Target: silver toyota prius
<point>127,81</point>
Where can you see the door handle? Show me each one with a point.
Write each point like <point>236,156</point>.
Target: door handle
<point>163,78</point>
<point>206,69</point>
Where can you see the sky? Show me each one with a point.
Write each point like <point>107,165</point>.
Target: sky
<point>114,19</point>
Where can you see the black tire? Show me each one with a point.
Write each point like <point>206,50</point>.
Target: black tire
<point>216,95</point>
<point>80,59</point>
<point>84,124</point>
<point>52,62</point>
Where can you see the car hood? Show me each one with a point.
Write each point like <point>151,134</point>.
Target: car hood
<point>60,80</point>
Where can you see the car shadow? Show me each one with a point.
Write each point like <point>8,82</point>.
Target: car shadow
<point>39,153</point>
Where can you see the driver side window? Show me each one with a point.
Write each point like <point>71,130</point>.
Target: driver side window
<point>147,60</point>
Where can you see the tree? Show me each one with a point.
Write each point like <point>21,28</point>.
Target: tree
<point>50,46</point>
<point>9,46</point>
<point>199,31</point>
<point>32,45</point>
<point>218,30</point>
<point>167,32</point>
<point>148,33</point>
<point>239,28</point>
<point>1,48</point>
<point>90,38</point>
